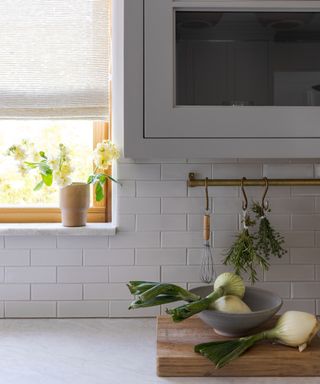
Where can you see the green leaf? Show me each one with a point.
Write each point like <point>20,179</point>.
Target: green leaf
<point>91,179</point>
<point>99,192</point>
<point>45,169</point>
<point>38,186</point>
<point>31,165</point>
<point>43,155</point>
<point>102,178</point>
<point>47,179</point>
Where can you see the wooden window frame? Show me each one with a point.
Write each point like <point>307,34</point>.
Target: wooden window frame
<point>100,212</point>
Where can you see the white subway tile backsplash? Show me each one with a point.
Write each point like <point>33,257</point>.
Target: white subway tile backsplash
<point>127,188</point>
<point>280,222</point>
<point>112,291</point>
<point>14,257</point>
<point>14,292</point>
<point>306,222</point>
<point>290,273</point>
<point>214,192</point>
<point>288,171</point>
<point>30,309</point>
<point>317,170</point>
<point>224,239</point>
<point>138,171</point>
<point>83,242</point>
<point>138,205</point>
<point>1,274</point>
<point>305,290</point>
<point>182,205</point>
<point>181,171</point>
<point>305,255</point>
<point>305,191</point>
<point>298,305</point>
<point>31,242</point>
<point>82,275</point>
<point>161,223</point>
<point>164,256</point>
<point>159,237</point>
<point>292,205</point>
<point>180,273</point>
<point>256,192</point>
<point>135,240</point>
<point>54,257</point>
<point>195,254</point>
<point>125,274</point>
<point>126,223</point>
<point>236,171</point>
<point>213,160</point>
<point>83,309</point>
<point>299,239</point>
<point>30,274</point>
<point>181,239</point>
<point>97,257</point>
<point>218,222</point>
<point>161,188</point>
<point>56,292</point>
<point>227,205</point>
<point>2,309</point>
<point>281,289</point>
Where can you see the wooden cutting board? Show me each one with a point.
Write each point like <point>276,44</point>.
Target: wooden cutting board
<point>175,355</point>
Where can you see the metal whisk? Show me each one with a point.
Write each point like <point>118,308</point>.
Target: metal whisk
<point>207,267</point>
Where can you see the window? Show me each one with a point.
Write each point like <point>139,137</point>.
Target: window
<point>54,87</point>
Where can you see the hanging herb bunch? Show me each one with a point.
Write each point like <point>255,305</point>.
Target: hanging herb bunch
<point>253,249</point>
<point>269,241</point>
<point>243,254</point>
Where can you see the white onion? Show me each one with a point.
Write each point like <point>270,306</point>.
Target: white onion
<point>231,284</point>
<point>296,329</point>
<point>230,304</point>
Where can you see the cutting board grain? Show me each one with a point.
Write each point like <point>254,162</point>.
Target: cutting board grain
<point>175,355</point>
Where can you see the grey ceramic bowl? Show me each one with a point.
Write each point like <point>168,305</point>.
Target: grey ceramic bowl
<point>264,304</point>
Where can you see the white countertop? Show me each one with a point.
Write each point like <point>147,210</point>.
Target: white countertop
<point>92,351</point>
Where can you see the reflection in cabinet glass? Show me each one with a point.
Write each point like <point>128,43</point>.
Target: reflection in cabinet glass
<point>247,58</point>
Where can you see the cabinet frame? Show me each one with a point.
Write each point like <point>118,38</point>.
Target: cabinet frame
<point>138,143</point>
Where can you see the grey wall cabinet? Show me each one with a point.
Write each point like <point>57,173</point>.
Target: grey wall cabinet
<point>217,78</point>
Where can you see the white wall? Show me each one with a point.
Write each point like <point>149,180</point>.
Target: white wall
<point>160,239</point>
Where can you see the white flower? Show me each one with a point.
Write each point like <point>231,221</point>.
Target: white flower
<point>53,163</point>
<point>105,153</point>
<point>22,169</point>
<point>19,152</point>
<point>62,180</point>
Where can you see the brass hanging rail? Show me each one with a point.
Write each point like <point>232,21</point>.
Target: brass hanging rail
<point>193,182</point>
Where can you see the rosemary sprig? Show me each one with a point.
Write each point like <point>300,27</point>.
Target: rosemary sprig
<point>269,241</point>
<point>243,255</point>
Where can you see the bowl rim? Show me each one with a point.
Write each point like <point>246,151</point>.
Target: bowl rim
<point>246,315</point>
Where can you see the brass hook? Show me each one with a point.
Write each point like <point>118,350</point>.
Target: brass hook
<point>245,198</point>
<point>264,203</point>
<point>207,193</point>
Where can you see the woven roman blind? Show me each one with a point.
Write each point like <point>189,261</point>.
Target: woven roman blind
<point>54,58</point>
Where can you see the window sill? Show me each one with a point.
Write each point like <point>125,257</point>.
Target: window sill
<point>56,229</point>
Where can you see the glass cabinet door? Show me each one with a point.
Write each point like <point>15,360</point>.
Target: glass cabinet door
<point>247,58</point>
